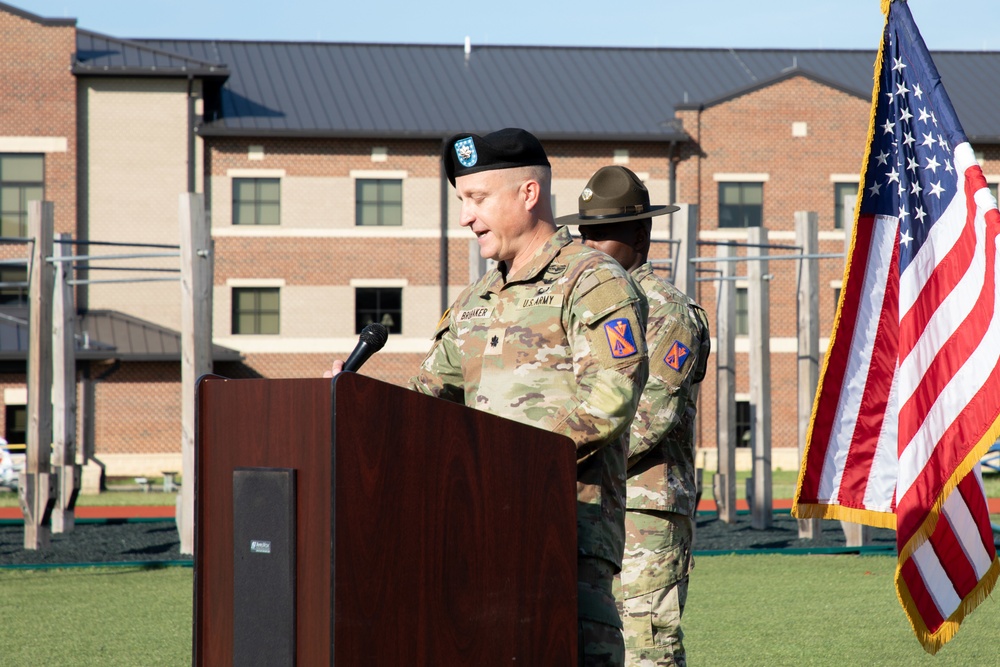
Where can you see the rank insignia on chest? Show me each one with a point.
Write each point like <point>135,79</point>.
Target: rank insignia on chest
<point>620,338</point>
<point>677,355</point>
<point>494,341</point>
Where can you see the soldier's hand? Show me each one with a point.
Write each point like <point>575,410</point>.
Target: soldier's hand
<point>338,366</point>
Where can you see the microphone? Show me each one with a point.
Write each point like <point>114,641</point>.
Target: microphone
<point>373,337</point>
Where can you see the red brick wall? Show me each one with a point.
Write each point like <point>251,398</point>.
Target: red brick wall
<point>38,94</point>
<point>753,134</point>
<point>139,410</point>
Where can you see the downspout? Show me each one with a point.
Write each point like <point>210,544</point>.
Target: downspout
<point>191,176</point>
<point>443,243</point>
<point>672,167</point>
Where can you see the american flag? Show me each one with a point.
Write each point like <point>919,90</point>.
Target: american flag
<point>909,398</point>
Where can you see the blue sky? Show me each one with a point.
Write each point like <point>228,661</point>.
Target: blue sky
<point>839,24</point>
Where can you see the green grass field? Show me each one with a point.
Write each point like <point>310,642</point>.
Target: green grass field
<point>744,611</point>
<point>767,610</point>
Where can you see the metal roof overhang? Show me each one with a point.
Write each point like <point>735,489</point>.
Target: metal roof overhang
<point>216,129</point>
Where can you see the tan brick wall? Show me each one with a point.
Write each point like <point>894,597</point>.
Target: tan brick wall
<point>39,100</point>
<point>135,169</point>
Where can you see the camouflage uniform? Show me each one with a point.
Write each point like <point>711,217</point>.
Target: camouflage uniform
<point>559,346</point>
<point>661,494</point>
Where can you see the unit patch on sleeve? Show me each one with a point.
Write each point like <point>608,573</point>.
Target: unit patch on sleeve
<point>620,338</point>
<point>677,355</point>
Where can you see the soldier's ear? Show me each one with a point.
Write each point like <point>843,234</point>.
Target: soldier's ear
<point>643,233</point>
<point>531,191</point>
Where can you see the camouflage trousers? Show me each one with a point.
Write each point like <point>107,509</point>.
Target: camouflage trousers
<point>599,626</point>
<point>652,588</point>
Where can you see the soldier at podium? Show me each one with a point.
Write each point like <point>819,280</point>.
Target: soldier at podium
<point>552,337</point>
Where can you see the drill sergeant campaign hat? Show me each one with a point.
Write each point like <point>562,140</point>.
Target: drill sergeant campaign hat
<point>613,194</point>
<point>504,149</point>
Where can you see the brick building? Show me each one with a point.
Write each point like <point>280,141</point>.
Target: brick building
<point>328,207</point>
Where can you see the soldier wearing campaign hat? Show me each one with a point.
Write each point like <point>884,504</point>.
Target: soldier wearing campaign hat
<point>615,216</point>
<point>551,337</point>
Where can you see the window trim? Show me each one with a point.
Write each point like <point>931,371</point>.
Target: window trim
<point>381,203</point>
<point>21,185</point>
<point>358,326</point>
<point>257,201</point>
<point>257,312</point>
<point>742,206</point>
<point>838,205</point>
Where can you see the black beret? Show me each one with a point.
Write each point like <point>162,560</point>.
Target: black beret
<point>504,149</point>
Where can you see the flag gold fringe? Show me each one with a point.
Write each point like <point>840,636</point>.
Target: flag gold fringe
<point>933,641</point>
<point>851,514</point>
<point>876,87</point>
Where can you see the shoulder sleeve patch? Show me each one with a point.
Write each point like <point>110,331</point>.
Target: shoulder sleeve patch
<point>677,355</point>
<point>671,358</point>
<point>621,341</point>
<point>617,342</point>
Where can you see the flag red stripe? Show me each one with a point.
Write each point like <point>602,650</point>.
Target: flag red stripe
<point>955,564</point>
<point>872,411</point>
<point>921,597</point>
<point>837,359</point>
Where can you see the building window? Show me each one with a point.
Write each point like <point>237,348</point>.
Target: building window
<point>256,310</point>
<point>743,425</point>
<point>741,204</point>
<point>256,201</point>
<point>22,179</point>
<point>13,285</point>
<point>378,202</point>
<point>16,426</point>
<point>843,216</point>
<point>742,323</point>
<point>378,304</point>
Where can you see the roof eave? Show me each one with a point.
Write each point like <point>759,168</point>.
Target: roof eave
<point>216,130</point>
<point>146,72</point>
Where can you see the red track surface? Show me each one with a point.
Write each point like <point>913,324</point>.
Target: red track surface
<point>109,512</point>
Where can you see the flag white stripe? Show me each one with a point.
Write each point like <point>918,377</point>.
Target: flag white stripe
<point>856,374</point>
<point>936,581</point>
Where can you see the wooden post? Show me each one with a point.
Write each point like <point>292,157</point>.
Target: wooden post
<point>758,299</point>
<point>196,344</point>
<point>724,483</point>
<point>67,472</point>
<point>684,228</point>
<point>807,238</point>
<point>36,495</point>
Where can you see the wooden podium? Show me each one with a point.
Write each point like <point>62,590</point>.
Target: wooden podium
<point>354,522</point>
